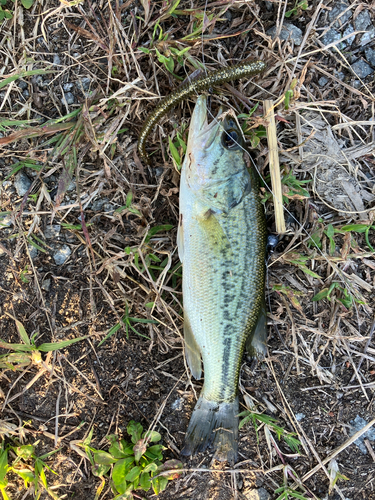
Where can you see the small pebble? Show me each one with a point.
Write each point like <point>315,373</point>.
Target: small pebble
<point>33,252</point>
<point>68,98</point>
<point>348,31</point>
<point>330,37</point>
<point>178,404</point>
<point>7,185</point>
<point>370,56</point>
<point>339,74</point>
<point>23,85</point>
<point>288,31</point>
<point>86,83</point>
<point>46,284</point>
<point>108,208</point>
<point>357,424</point>
<point>337,9</point>
<point>97,205</point>
<point>56,59</point>
<point>323,81</point>
<point>6,221</point>
<point>362,69</point>
<point>62,255</point>
<point>300,416</point>
<point>68,86</point>
<point>52,231</point>
<point>362,21</point>
<point>22,183</point>
<point>368,36</point>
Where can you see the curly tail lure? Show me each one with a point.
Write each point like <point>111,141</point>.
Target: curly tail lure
<point>188,89</point>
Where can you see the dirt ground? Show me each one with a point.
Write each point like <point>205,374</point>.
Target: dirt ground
<point>75,245</point>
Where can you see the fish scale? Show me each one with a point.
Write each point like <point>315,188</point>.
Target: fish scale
<point>221,242</point>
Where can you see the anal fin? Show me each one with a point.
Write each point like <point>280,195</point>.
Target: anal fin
<point>192,351</point>
<point>256,343</point>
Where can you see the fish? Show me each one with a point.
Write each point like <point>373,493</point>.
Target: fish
<point>191,87</point>
<point>221,242</point>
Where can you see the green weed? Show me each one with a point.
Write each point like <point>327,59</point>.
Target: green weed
<point>28,466</point>
<point>334,475</point>
<point>170,54</point>
<point>28,352</point>
<point>343,296</point>
<point>128,206</point>
<point>23,73</point>
<point>126,321</point>
<point>270,423</point>
<point>178,147</point>
<point>300,260</point>
<point>303,5</point>
<point>290,293</point>
<point>359,228</point>
<point>131,466</point>
<point>293,190</point>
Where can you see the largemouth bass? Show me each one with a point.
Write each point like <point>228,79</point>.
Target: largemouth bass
<point>221,243</point>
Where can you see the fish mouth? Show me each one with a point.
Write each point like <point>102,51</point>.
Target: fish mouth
<point>202,131</point>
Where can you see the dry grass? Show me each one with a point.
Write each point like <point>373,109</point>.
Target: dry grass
<point>122,280</point>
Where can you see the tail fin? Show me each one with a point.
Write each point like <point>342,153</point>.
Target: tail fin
<point>213,425</point>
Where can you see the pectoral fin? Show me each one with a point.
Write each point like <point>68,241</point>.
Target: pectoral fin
<point>256,344</point>
<point>192,351</point>
<point>180,238</point>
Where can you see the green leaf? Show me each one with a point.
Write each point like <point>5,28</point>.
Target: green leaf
<point>133,474</point>
<point>367,239</point>
<point>169,64</point>
<point>321,295</point>
<point>120,470</point>
<point>152,436</point>
<point>155,452</point>
<point>104,458</point>
<point>305,269</point>
<point>27,3</point>
<point>3,464</point>
<point>87,440</point>
<point>159,484</point>
<point>358,228</point>
<point>175,154</point>
<point>292,442</point>
<point>143,49</point>
<point>330,231</point>
<point>129,198</point>
<point>26,451</point>
<point>22,332</point>
<point>119,449</point>
<point>157,229</point>
<point>152,467</point>
<point>3,492</point>
<point>54,346</point>
<point>145,482</point>
<point>134,430</point>
<point>99,470</point>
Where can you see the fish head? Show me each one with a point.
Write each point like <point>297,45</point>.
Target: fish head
<point>214,165</point>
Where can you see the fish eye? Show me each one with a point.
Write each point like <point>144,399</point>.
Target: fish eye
<point>230,139</point>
